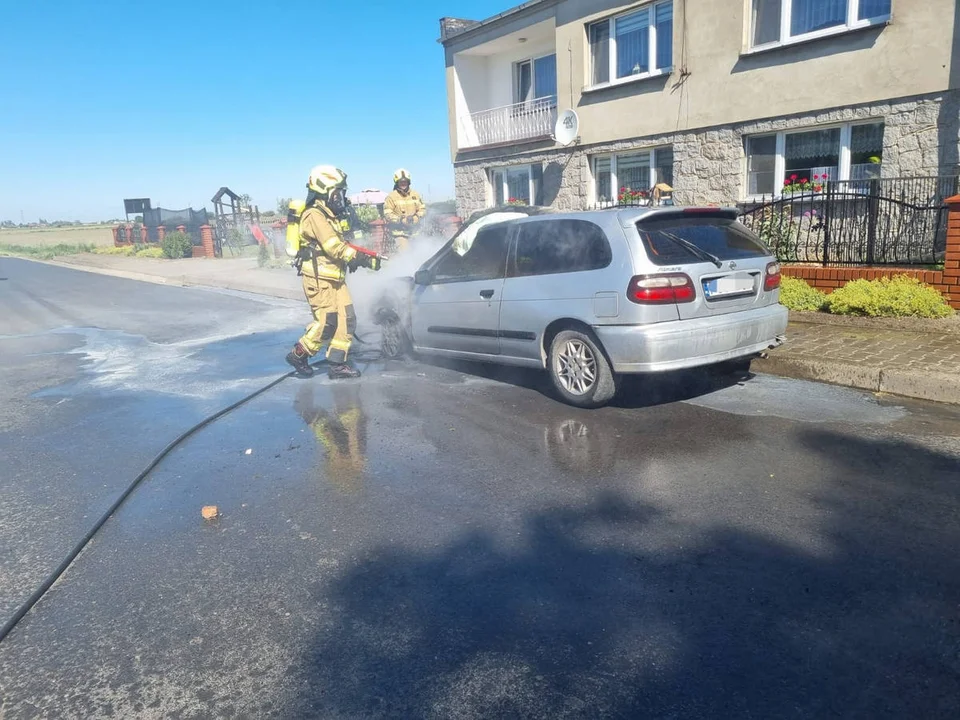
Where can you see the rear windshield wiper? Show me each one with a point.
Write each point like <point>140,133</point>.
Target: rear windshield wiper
<point>698,251</point>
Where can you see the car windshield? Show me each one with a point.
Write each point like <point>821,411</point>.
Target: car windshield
<point>667,240</point>
<point>464,240</point>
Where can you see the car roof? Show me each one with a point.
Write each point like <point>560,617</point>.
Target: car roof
<point>627,216</point>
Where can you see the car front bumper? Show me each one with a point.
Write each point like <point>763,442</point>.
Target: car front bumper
<point>692,343</point>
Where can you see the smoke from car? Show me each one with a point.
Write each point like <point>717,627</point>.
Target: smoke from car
<point>367,287</point>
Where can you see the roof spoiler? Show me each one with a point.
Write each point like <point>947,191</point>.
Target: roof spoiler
<point>673,214</point>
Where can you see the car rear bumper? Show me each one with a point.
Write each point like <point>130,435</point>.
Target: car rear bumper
<point>691,343</point>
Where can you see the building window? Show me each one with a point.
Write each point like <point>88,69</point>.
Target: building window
<point>636,44</point>
<point>637,171</point>
<point>517,184</point>
<point>818,156</point>
<point>780,21</point>
<point>535,79</point>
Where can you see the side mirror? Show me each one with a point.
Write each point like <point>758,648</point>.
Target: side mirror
<point>423,277</point>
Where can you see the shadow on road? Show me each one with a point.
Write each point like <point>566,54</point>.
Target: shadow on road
<point>636,391</point>
<point>619,608</point>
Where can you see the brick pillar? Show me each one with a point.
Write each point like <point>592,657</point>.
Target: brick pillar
<point>206,240</point>
<point>377,234</point>
<point>182,228</point>
<point>951,264</point>
<point>161,233</point>
<point>143,234</point>
<point>130,240</point>
<point>116,236</point>
<point>453,224</point>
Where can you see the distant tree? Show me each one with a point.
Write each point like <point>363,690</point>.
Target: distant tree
<point>245,200</point>
<point>138,218</point>
<point>282,205</point>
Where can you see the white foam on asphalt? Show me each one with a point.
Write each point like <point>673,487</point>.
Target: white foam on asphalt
<point>801,400</point>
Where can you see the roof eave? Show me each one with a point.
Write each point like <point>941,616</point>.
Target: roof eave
<point>491,20</point>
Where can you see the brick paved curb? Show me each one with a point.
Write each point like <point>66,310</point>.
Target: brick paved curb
<point>910,324</point>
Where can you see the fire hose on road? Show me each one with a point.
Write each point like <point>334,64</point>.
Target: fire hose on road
<point>52,578</point>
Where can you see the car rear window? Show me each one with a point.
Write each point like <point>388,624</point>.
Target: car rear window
<point>547,247</point>
<point>719,235</point>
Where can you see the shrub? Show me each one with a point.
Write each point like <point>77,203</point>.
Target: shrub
<point>777,229</point>
<point>115,250</point>
<point>45,252</point>
<point>798,295</point>
<point>366,214</point>
<point>237,240</point>
<point>177,245</point>
<point>263,255</point>
<point>150,252</point>
<point>900,296</point>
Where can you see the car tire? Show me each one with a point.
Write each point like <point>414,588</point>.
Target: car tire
<point>394,342</point>
<point>579,370</point>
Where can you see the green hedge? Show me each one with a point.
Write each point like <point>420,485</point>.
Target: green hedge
<point>900,296</point>
<point>798,295</point>
<point>177,245</point>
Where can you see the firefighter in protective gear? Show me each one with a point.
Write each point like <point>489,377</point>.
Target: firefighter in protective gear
<point>342,433</point>
<point>324,258</point>
<point>403,210</point>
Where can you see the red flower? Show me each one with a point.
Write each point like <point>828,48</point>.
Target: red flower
<point>793,177</point>
<point>804,181</point>
<point>817,188</point>
<point>786,182</point>
<point>816,177</point>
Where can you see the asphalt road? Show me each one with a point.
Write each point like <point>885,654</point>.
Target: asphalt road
<point>447,541</point>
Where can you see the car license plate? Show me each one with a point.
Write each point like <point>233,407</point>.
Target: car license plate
<point>720,287</point>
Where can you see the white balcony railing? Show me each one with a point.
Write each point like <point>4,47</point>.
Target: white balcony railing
<point>511,123</point>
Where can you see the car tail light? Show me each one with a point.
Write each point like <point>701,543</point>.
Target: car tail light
<point>661,289</point>
<point>771,280</point>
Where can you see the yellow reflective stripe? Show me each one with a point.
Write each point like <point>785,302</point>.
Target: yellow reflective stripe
<point>340,345</point>
<point>335,247</point>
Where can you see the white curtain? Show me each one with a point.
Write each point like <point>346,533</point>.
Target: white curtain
<point>812,15</point>
<point>633,44</point>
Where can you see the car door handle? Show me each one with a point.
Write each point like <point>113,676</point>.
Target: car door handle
<point>486,294</point>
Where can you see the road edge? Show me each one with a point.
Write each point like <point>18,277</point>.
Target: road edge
<point>918,385</point>
<point>185,281</point>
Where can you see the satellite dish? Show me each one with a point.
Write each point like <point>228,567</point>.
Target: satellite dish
<point>567,127</point>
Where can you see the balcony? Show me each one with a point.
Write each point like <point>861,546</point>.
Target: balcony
<point>519,122</point>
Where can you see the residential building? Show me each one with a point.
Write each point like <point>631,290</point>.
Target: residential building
<point>724,100</point>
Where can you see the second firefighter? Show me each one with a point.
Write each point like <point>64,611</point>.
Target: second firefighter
<point>403,210</point>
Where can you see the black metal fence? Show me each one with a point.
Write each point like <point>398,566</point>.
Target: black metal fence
<point>192,219</point>
<point>890,221</point>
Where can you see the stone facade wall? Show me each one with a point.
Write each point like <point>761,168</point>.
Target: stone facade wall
<point>921,137</point>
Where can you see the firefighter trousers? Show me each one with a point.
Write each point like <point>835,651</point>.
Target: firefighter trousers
<point>334,320</point>
<point>401,241</point>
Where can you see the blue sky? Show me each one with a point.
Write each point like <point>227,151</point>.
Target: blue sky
<point>112,99</point>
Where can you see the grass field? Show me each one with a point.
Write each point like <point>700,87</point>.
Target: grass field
<point>97,235</point>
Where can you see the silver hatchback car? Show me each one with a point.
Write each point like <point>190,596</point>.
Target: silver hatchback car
<point>590,296</point>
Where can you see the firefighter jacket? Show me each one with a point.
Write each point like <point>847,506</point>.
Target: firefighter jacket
<point>328,250</point>
<point>397,206</point>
